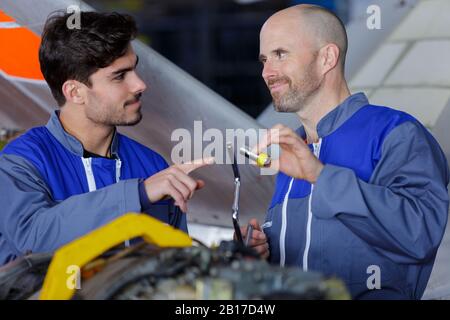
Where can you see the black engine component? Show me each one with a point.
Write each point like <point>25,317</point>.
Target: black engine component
<point>231,271</point>
<point>23,277</point>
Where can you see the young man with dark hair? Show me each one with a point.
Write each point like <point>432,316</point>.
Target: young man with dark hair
<point>60,181</point>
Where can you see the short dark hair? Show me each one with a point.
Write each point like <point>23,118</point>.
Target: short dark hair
<point>70,53</point>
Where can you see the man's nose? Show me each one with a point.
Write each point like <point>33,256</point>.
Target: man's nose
<point>138,85</point>
<point>268,71</point>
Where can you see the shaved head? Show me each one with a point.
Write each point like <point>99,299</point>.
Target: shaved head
<point>326,28</point>
<point>302,50</point>
<point>320,25</point>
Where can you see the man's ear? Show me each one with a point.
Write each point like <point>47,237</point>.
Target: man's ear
<point>73,91</point>
<point>330,57</point>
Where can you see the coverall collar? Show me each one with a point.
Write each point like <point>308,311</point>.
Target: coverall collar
<point>336,117</point>
<point>70,142</point>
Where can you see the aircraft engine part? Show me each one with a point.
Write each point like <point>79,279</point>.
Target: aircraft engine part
<point>230,271</point>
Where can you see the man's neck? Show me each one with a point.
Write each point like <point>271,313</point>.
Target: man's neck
<point>95,138</point>
<point>319,106</point>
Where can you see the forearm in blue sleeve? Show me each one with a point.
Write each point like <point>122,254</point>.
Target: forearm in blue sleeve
<point>403,209</point>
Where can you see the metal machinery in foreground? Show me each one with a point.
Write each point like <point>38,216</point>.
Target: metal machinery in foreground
<point>163,263</point>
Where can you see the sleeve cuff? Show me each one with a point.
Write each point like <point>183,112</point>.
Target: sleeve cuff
<point>131,201</point>
<point>143,197</point>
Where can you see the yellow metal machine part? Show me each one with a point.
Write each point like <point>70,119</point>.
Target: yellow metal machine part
<point>81,251</point>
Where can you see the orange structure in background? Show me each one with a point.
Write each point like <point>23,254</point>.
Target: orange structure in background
<point>19,50</point>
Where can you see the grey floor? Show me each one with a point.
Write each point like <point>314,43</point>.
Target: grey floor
<point>439,283</point>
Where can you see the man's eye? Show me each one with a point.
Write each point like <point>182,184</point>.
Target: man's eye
<point>120,76</point>
<point>281,54</point>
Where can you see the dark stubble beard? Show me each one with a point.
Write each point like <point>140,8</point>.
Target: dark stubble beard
<point>298,95</point>
<point>113,119</point>
<point>129,123</point>
<point>138,118</point>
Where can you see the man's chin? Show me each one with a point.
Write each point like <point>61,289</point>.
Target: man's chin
<point>131,122</point>
<point>277,103</point>
<point>280,108</point>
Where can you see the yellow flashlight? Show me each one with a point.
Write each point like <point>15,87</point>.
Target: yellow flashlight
<point>262,159</point>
